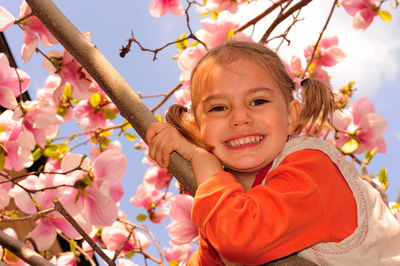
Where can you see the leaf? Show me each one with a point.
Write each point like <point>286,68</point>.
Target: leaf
<point>130,136</point>
<point>350,146</point>
<point>383,178</point>
<point>182,41</point>
<point>87,180</point>
<point>37,154</point>
<point>214,15</point>
<point>51,151</point>
<point>130,254</point>
<point>125,127</point>
<point>141,217</point>
<point>67,90</point>
<point>109,114</point>
<point>370,154</point>
<point>95,100</point>
<point>386,16</point>
<point>72,245</point>
<point>2,129</point>
<point>2,160</point>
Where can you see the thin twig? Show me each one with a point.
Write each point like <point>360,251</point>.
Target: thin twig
<point>33,217</point>
<point>87,256</point>
<point>166,97</point>
<point>118,250</point>
<point>319,39</point>
<point>58,206</point>
<point>281,18</point>
<point>261,16</point>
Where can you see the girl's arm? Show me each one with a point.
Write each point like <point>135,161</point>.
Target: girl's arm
<point>162,139</point>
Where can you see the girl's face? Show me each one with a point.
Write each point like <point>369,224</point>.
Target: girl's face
<point>242,113</point>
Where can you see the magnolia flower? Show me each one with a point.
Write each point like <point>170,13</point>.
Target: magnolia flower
<point>220,5</point>
<point>181,229</point>
<point>31,26</point>
<point>159,8</point>
<point>6,19</point>
<point>363,12</point>
<point>99,190</point>
<point>17,143</point>
<point>11,83</point>
<point>183,95</point>
<point>157,177</point>
<point>217,31</point>
<point>71,72</point>
<point>179,254</point>
<point>328,53</point>
<point>364,123</point>
<point>188,59</point>
<point>38,119</point>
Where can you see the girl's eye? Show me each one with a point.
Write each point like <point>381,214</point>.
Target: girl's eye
<point>217,109</point>
<point>259,101</point>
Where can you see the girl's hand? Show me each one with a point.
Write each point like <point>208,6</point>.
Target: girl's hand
<point>162,139</point>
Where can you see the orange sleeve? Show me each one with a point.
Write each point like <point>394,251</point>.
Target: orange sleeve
<point>292,211</point>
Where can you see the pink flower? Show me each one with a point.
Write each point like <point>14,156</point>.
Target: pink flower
<point>10,85</point>
<point>40,120</point>
<point>181,229</point>
<point>31,26</point>
<point>217,31</point>
<point>92,117</point>
<point>102,188</point>
<point>157,177</point>
<point>115,235</point>
<point>66,259</point>
<point>363,12</point>
<point>180,254</point>
<point>327,54</point>
<point>17,144</point>
<point>182,96</point>
<point>72,72</point>
<point>220,5</point>
<point>189,58</point>
<point>159,8</point>
<point>149,198</point>
<point>362,120</point>
<point>6,19</point>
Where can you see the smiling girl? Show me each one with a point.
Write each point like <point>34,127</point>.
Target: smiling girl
<point>263,191</point>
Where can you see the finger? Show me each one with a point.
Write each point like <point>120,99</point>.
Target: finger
<point>153,130</point>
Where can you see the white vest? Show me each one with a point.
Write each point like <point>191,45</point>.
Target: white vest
<point>376,240</point>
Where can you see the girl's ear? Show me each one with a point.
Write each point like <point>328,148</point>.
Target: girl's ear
<point>294,110</point>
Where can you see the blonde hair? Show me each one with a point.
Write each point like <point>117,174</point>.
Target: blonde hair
<point>317,98</point>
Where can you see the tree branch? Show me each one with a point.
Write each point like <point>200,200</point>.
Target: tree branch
<point>22,251</point>
<point>122,95</point>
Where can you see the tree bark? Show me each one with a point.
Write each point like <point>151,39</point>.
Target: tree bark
<point>122,95</point>
<point>22,251</point>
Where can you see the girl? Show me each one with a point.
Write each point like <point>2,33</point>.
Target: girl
<point>264,192</point>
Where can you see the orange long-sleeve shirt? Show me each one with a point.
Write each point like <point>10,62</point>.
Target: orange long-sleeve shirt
<point>304,201</point>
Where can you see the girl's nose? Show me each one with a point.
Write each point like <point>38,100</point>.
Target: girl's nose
<point>240,117</point>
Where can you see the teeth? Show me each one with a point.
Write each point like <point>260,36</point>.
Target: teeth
<point>244,141</point>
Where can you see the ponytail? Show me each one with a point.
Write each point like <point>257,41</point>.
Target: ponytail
<point>317,104</point>
<point>176,117</point>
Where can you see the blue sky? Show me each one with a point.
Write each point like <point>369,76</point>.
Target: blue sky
<point>373,62</point>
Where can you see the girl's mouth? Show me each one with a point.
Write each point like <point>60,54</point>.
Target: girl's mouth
<point>243,141</point>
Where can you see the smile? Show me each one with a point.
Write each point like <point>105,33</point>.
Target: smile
<point>244,141</point>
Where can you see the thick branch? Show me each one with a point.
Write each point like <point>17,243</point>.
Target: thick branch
<point>22,251</point>
<point>122,95</point>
